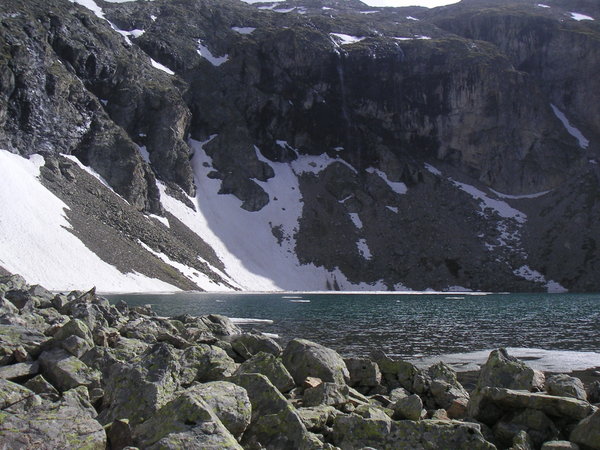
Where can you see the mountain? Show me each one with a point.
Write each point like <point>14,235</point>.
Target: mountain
<point>300,145</point>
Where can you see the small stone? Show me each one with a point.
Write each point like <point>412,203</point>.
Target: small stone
<point>20,354</point>
<point>439,414</point>
<point>311,382</point>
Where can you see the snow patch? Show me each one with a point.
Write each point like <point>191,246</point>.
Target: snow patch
<point>35,240</point>
<point>356,220</point>
<point>243,30</point>
<point>162,220</point>
<point>250,2</point>
<point>363,249</point>
<point>159,66</point>
<point>144,153</point>
<point>393,209</point>
<point>415,37</point>
<point>522,196</point>
<point>92,172</point>
<point>579,17</point>
<point>344,39</point>
<point>529,274</point>
<point>286,10</point>
<point>503,209</point>
<point>396,186</point>
<point>91,5</point>
<point>433,170</point>
<point>206,54</point>
<point>583,142</point>
<point>200,279</point>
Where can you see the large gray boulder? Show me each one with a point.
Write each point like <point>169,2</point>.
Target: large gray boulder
<point>565,386</point>
<point>410,407</point>
<point>184,422</point>
<point>248,344</point>
<point>326,394</point>
<point>13,337</point>
<point>495,401</point>
<point>368,429</point>
<point>270,366</point>
<point>363,372</point>
<point>398,373</point>
<point>538,426</point>
<point>275,422</point>
<point>587,432</point>
<point>205,363</point>
<point>65,371</point>
<point>504,371</point>
<point>137,389</point>
<point>307,359</point>
<point>228,401</point>
<point>68,423</point>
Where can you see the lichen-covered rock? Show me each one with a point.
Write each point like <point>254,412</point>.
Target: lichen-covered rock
<point>248,344</point>
<point>41,386</point>
<point>220,325</point>
<point>326,394</point>
<point>504,371</point>
<point>137,389</point>
<point>398,373</point>
<point>522,441</point>
<point>275,423</point>
<point>68,423</point>
<point>538,426</point>
<point>184,422</point>
<point>357,431</point>
<point>445,394</point>
<point>593,392</point>
<point>74,327</point>
<point>204,363</point>
<point>565,386</point>
<point>12,337</point>
<point>65,371</point>
<point>363,372</point>
<point>410,408</point>
<point>316,418</point>
<point>307,359</point>
<point>270,366</point>
<point>587,432</point>
<point>228,401</point>
<point>19,370</point>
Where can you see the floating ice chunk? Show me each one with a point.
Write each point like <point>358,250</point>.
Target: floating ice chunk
<point>368,12</point>
<point>541,5</point>
<point>356,220</point>
<point>243,30</point>
<point>579,17</point>
<point>363,249</point>
<point>411,18</point>
<point>396,186</point>
<point>345,39</point>
<point>206,54</point>
<point>583,142</point>
<point>243,320</point>
<point>159,66</point>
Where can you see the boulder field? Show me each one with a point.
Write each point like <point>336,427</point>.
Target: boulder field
<point>79,372</point>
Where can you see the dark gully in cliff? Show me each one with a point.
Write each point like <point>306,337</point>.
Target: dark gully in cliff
<point>301,145</point>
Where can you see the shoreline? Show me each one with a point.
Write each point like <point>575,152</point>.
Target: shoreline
<point>116,376</point>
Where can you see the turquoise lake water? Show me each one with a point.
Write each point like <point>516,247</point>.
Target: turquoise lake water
<point>408,326</point>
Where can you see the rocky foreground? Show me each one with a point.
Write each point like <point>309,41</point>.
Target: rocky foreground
<point>77,372</point>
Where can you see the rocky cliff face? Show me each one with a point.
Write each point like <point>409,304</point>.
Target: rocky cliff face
<point>325,144</point>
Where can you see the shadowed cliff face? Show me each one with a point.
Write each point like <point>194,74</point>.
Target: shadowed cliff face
<point>418,113</point>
